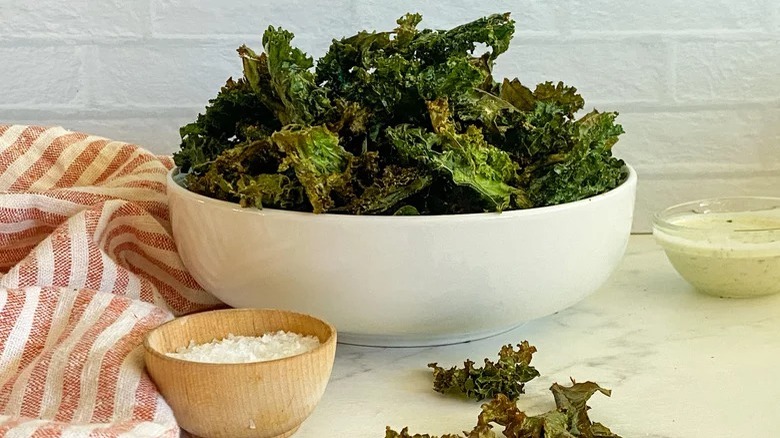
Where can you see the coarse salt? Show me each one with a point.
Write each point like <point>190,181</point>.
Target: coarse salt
<point>242,349</point>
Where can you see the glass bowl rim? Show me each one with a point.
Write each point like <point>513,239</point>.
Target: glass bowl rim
<point>660,218</point>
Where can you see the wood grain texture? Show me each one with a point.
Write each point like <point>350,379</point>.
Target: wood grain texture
<point>259,399</point>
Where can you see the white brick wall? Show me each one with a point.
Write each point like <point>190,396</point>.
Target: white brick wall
<point>697,82</point>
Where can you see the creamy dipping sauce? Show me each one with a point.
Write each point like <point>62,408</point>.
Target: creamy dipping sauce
<point>726,254</point>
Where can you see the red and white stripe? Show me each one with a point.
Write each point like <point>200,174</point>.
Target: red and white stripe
<point>88,265</point>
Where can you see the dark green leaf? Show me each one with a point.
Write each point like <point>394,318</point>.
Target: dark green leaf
<point>395,185</point>
<point>561,95</point>
<point>413,145</point>
<point>518,95</point>
<point>476,433</point>
<point>407,210</point>
<point>407,29</point>
<point>221,127</point>
<point>494,31</point>
<point>506,376</point>
<point>573,400</point>
<point>320,163</point>
<point>228,177</point>
<point>568,420</point>
<point>474,163</point>
<point>586,170</point>
<point>292,80</point>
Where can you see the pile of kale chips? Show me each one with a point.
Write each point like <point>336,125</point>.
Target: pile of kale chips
<point>403,122</point>
<point>503,382</point>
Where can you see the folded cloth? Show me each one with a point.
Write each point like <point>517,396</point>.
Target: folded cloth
<point>87,266</point>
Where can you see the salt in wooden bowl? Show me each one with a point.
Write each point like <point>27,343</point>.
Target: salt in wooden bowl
<point>269,399</point>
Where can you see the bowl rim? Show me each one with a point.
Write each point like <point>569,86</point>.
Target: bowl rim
<point>661,223</point>
<point>161,355</point>
<point>172,185</point>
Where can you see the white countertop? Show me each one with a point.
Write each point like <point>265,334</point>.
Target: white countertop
<point>680,364</point>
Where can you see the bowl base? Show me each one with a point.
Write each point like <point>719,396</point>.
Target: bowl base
<point>739,295</point>
<point>287,434</point>
<point>419,340</point>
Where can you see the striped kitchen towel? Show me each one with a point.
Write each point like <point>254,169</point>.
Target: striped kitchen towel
<point>87,266</point>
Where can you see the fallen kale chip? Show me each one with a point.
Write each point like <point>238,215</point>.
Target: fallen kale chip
<point>507,376</point>
<point>569,419</point>
<point>477,432</point>
<point>408,121</point>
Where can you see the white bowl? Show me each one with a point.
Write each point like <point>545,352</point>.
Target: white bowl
<point>405,280</point>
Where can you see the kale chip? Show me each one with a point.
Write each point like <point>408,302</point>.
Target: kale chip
<point>507,376</point>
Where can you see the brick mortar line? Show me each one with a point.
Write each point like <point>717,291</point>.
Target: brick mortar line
<point>680,35</point>
<point>624,107</point>
<point>144,42</point>
<point>627,107</point>
<point>103,112</point>
<point>66,112</point>
<point>702,172</point>
<point>536,37</point>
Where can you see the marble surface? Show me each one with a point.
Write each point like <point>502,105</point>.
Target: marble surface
<point>680,364</point>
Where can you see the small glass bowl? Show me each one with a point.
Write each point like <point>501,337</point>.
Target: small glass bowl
<point>728,247</point>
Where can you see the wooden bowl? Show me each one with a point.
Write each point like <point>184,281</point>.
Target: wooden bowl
<point>259,399</point>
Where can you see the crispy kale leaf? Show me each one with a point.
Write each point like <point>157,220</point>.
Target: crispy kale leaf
<point>569,419</point>
<point>465,157</point>
<point>396,184</point>
<point>473,162</point>
<point>507,376</point>
<point>229,176</point>
<point>319,161</point>
<point>223,124</point>
<point>303,102</point>
<point>572,400</point>
<point>396,72</point>
<point>562,159</point>
<point>406,121</point>
<point>587,169</point>
<point>477,432</point>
